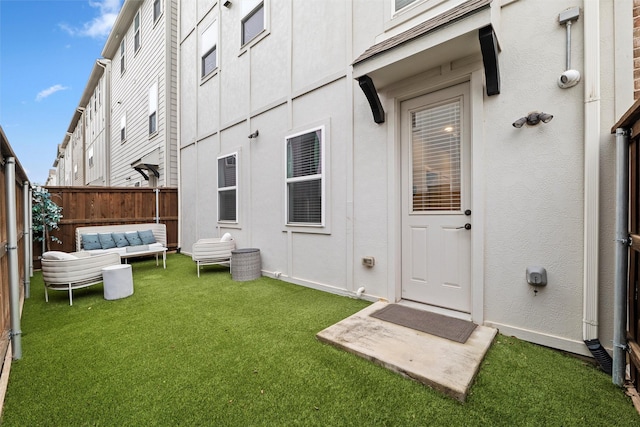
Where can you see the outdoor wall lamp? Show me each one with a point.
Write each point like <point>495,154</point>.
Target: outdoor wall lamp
<point>227,4</point>
<point>532,119</point>
<point>254,135</point>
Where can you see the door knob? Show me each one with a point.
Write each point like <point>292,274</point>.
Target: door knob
<point>467,226</point>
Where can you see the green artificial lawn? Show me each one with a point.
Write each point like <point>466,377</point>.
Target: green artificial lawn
<point>210,351</point>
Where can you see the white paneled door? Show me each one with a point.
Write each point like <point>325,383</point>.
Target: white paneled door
<point>436,199</point>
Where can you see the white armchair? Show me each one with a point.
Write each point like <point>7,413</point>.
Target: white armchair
<point>213,251</point>
<point>68,271</point>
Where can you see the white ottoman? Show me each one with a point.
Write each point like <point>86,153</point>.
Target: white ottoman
<point>118,281</point>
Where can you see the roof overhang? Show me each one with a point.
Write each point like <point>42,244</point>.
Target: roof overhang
<point>148,164</point>
<point>447,37</point>
<point>120,27</point>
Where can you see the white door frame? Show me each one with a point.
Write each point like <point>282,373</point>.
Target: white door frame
<point>411,89</point>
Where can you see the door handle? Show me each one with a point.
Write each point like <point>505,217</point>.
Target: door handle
<point>467,226</point>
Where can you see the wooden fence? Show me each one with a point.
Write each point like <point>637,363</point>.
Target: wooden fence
<point>20,178</point>
<point>89,206</point>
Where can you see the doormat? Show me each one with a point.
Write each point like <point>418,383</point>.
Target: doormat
<point>434,324</point>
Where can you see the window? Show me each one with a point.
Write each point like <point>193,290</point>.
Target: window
<point>153,108</point>
<point>123,128</point>
<point>136,32</point>
<point>91,157</point>
<point>122,56</point>
<point>75,171</point>
<point>305,178</point>
<point>157,9</point>
<point>253,23</point>
<point>208,49</point>
<point>227,188</point>
<point>400,4</point>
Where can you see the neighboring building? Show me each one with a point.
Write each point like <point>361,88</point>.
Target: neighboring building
<point>371,195</point>
<point>96,114</point>
<point>142,88</point>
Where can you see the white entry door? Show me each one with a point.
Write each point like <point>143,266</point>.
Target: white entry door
<point>436,199</point>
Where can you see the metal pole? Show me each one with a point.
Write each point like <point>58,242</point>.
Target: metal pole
<point>157,191</point>
<point>26,238</point>
<point>12,257</point>
<point>30,224</point>
<point>621,258</point>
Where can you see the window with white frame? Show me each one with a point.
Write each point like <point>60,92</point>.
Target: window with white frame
<point>228,188</point>
<point>136,32</point>
<point>305,178</point>
<point>253,21</point>
<point>122,56</point>
<point>153,108</point>
<point>157,9</point>
<point>401,4</point>
<point>123,128</point>
<point>90,155</point>
<point>75,171</point>
<point>209,50</point>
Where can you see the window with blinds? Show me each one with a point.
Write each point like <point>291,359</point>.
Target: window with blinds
<point>304,179</point>
<point>227,188</point>
<point>435,151</point>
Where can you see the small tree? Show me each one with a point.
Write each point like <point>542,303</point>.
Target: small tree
<point>46,216</point>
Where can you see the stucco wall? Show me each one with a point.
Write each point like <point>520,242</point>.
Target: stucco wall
<point>531,180</point>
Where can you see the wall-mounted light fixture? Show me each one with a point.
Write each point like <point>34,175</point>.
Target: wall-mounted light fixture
<point>532,119</point>
<point>570,77</point>
<point>227,4</point>
<point>254,135</point>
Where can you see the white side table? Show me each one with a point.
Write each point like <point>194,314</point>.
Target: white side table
<point>118,281</point>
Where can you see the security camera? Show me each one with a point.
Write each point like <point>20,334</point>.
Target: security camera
<point>569,78</point>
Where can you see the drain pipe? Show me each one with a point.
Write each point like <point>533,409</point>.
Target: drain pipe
<point>12,257</point>
<point>30,225</point>
<point>591,180</point>
<point>26,237</point>
<point>621,258</point>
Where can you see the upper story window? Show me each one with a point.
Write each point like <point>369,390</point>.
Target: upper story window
<point>401,4</point>
<point>122,56</point>
<point>136,32</point>
<point>153,108</point>
<point>305,178</point>
<point>90,155</point>
<point>253,23</point>
<point>209,50</point>
<point>228,188</point>
<point>123,128</point>
<point>157,9</point>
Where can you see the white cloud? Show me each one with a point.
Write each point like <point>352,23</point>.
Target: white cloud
<point>49,91</point>
<point>100,26</point>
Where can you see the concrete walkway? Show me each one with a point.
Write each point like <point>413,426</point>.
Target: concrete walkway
<point>445,365</point>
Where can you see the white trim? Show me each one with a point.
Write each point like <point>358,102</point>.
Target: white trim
<point>226,222</point>
<point>536,337</point>
<point>321,227</point>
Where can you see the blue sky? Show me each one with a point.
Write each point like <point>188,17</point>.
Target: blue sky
<point>47,51</point>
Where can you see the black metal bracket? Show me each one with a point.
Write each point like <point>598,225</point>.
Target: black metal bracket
<point>489,48</point>
<point>369,89</point>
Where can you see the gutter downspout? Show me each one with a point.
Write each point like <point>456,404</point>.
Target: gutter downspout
<point>591,181</point>
<point>621,258</point>
<point>12,257</point>
<point>106,65</point>
<point>26,237</point>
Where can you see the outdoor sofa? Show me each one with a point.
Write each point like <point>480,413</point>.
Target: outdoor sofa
<point>63,271</point>
<point>123,239</point>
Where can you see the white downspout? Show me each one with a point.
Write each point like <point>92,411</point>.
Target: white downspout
<point>591,166</point>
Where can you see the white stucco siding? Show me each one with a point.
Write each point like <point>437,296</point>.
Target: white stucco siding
<point>188,90</point>
<point>370,198</point>
<point>319,47</point>
<point>188,193</point>
<point>535,181</point>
